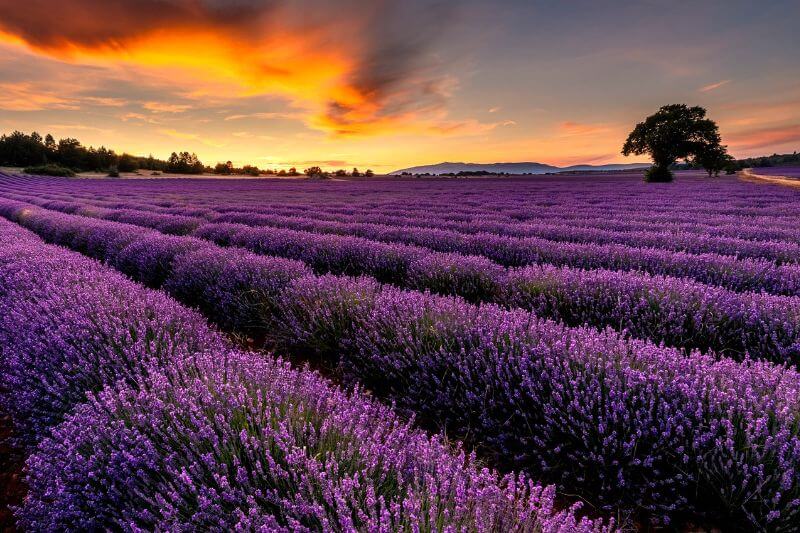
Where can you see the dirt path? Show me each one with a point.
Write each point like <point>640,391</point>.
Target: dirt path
<point>748,175</point>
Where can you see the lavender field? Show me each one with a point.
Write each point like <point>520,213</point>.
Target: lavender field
<point>788,172</point>
<point>558,353</point>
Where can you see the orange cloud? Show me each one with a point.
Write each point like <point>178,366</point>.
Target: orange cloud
<point>138,116</point>
<point>266,116</point>
<point>354,67</point>
<point>68,128</point>
<point>105,101</point>
<point>160,107</point>
<point>24,96</point>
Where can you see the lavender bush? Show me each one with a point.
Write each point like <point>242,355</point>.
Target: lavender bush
<point>195,435</point>
<point>625,421</point>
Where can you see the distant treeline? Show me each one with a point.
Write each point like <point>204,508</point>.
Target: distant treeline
<point>21,150</point>
<point>774,160</point>
<point>227,169</point>
<point>45,155</point>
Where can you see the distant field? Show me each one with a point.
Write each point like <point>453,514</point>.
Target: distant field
<point>633,344</point>
<point>789,172</point>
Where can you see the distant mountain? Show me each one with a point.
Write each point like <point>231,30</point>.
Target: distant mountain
<point>512,168</point>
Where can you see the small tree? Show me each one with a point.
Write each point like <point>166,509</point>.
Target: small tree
<point>251,170</point>
<point>71,154</point>
<point>714,159</point>
<point>673,132</point>
<point>341,173</point>
<point>224,169</point>
<point>312,172</point>
<point>355,173</point>
<point>369,173</point>
<point>184,163</point>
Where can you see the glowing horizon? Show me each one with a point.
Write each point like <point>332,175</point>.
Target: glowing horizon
<point>391,85</point>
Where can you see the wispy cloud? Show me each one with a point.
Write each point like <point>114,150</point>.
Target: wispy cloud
<point>713,86</point>
<point>267,116</point>
<point>465,128</point>
<point>78,127</point>
<point>25,96</point>
<point>139,117</point>
<point>105,101</point>
<point>165,107</point>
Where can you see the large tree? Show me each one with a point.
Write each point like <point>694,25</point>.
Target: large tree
<point>675,132</point>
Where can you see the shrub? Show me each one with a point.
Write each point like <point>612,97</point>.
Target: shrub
<point>250,170</point>
<point>237,289</point>
<point>50,170</point>
<point>658,174</point>
<point>49,363</point>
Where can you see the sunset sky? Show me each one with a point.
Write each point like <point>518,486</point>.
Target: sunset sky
<point>390,84</point>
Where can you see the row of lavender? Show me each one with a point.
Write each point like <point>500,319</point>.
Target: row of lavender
<point>429,236</point>
<point>677,312</point>
<point>517,200</point>
<point>508,202</point>
<point>138,416</point>
<point>727,271</point>
<point>768,245</point>
<point>624,424</point>
<point>762,228</point>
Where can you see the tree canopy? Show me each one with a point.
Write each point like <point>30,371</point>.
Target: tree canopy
<point>18,149</point>
<point>675,132</point>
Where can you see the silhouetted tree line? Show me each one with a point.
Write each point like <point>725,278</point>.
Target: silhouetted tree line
<point>45,155</point>
<point>317,172</point>
<point>774,160</point>
<point>21,150</point>
<point>227,169</point>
